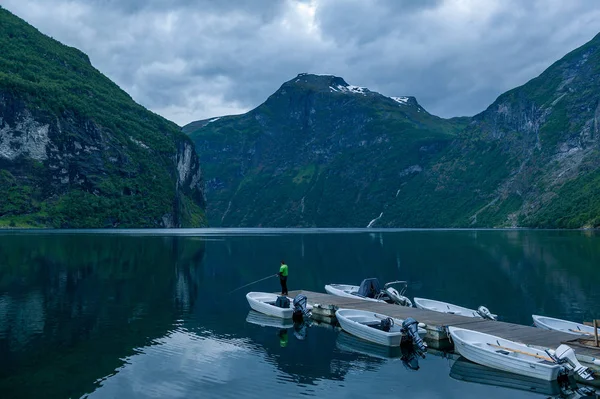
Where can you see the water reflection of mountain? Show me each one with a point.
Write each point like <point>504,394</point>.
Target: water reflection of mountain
<point>306,361</point>
<point>406,354</point>
<point>554,273</point>
<point>264,320</point>
<point>465,370</point>
<point>468,268</point>
<point>350,343</point>
<point>513,273</point>
<point>71,307</point>
<point>329,362</point>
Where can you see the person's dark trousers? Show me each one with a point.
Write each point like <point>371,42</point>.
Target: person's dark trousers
<point>283,281</point>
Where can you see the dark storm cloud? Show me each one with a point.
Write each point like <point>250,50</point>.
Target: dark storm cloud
<point>264,9</point>
<point>364,21</point>
<point>189,60</point>
<point>456,57</point>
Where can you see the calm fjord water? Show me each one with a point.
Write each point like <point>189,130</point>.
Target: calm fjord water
<point>140,314</point>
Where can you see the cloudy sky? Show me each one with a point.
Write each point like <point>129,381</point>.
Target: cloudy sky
<point>194,59</point>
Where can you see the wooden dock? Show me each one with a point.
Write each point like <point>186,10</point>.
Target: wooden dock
<point>437,322</point>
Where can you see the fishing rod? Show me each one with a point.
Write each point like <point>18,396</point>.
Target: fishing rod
<point>254,282</point>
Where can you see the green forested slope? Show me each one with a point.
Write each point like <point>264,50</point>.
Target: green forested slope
<point>77,151</point>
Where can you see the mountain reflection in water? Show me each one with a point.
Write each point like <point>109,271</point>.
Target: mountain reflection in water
<point>146,314</point>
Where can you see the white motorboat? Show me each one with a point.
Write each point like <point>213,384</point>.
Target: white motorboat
<point>502,354</point>
<point>444,307</point>
<point>370,290</point>
<point>267,303</point>
<point>569,327</point>
<point>381,329</point>
<point>264,320</point>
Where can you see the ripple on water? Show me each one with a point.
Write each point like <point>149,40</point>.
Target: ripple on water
<point>25,315</point>
<point>4,309</point>
<point>183,364</point>
<point>200,363</point>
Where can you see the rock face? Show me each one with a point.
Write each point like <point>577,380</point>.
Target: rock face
<point>318,152</point>
<point>321,152</point>
<point>534,151</point>
<point>76,151</point>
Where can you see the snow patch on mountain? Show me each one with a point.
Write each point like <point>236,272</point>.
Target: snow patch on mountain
<point>400,100</point>
<point>350,89</point>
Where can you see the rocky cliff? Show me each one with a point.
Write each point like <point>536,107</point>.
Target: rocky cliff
<point>534,151</point>
<point>77,151</point>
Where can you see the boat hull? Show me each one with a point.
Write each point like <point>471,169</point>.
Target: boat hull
<point>444,307</point>
<point>347,291</point>
<point>359,323</point>
<point>264,302</point>
<point>569,327</point>
<point>475,347</point>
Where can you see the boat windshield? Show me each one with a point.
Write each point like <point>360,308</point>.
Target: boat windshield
<point>369,288</point>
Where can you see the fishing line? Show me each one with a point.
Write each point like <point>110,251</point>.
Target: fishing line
<point>254,282</point>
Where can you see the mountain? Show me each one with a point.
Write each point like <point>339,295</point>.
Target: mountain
<point>531,158</point>
<point>77,151</point>
<point>318,152</point>
<point>321,152</point>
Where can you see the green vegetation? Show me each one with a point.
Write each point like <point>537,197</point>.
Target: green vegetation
<point>60,79</point>
<point>15,199</point>
<point>575,205</point>
<point>125,174</point>
<point>305,174</point>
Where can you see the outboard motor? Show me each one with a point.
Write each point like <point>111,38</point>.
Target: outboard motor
<point>386,324</point>
<point>397,297</point>
<point>565,355</point>
<point>300,309</point>
<point>410,357</point>
<point>485,313</point>
<point>300,330</point>
<point>584,392</point>
<point>411,328</point>
<point>569,389</point>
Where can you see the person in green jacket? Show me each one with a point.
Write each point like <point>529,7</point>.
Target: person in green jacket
<point>283,337</point>
<point>283,275</point>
